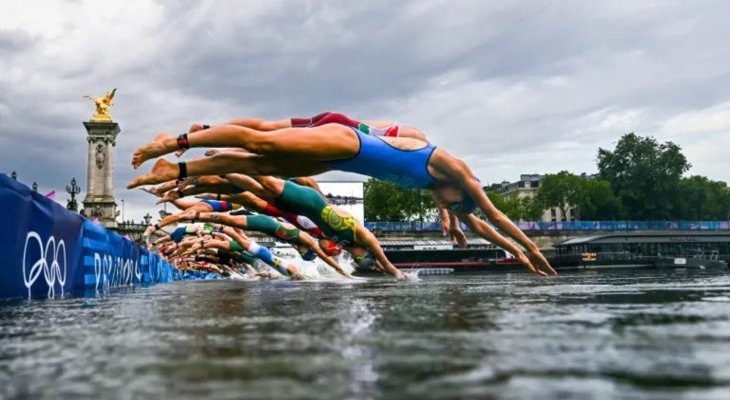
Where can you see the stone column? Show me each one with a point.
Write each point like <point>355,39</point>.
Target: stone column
<point>99,198</point>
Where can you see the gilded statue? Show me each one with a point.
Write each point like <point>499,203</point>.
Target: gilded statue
<point>102,106</point>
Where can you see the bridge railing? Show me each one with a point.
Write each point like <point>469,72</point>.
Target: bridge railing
<point>567,226</point>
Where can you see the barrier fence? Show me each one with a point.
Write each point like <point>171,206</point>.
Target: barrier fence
<point>592,226</point>
<point>48,250</point>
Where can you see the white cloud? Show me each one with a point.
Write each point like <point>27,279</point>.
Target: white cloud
<point>511,87</point>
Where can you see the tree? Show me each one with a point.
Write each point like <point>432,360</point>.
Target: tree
<point>644,175</point>
<point>561,190</point>
<point>598,202</point>
<point>385,201</point>
<point>699,198</point>
<point>516,208</point>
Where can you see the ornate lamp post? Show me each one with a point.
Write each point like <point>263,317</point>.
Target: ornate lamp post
<point>34,187</point>
<point>14,175</point>
<point>147,219</point>
<point>73,190</point>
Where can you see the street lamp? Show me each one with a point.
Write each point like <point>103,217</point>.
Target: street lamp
<point>35,187</point>
<point>73,190</point>
<point>147,219</point>
<point>14,175</point>
<point>122,210</point>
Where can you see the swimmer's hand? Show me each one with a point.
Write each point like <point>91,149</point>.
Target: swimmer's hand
<point>445,229</point>
<point>404,277</point>
<point>541,263</point>
<point>458,237</point>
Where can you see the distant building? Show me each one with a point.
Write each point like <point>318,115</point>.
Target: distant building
<point>527,186</point>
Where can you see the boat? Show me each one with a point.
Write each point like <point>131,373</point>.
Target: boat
<point>442,257</point>
<point>695,249</point>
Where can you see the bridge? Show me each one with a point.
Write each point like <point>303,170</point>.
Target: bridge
<point>546,234</point>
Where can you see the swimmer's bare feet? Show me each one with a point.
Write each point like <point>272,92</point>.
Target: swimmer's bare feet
<point>169,196</point>
<point>159,146</point>
<point>193,128</point>
<point>163,171</point>
<point>159,190</point>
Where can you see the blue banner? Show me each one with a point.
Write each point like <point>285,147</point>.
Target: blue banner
<point>566,226</point>
<point>48,250</point>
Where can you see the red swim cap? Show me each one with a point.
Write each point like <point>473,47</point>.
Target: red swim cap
<point>330,247</point>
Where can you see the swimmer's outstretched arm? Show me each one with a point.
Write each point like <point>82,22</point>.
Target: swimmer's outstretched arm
<point>265,255</point>
<point>455,233</point>
<point>497,217</point>
<point>312,244</point>
<point>221,218</point>
<point>367,239</point>
<point>445,220</point>
<point>483,229</point>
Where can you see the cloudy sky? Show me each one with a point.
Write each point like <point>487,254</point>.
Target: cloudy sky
<point>511,86</point>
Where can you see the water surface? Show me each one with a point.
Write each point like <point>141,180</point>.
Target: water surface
<point>636,334</point>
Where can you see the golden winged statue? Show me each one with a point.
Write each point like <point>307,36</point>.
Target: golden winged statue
<point>102,106</point>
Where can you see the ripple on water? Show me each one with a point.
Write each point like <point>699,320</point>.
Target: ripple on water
<point>638,334</point>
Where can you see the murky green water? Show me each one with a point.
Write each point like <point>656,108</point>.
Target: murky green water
<point>639,334</point>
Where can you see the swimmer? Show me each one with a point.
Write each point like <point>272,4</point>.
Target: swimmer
<point>193,206</point>
<point>255,203</point>
<point>371,127</point>
<point>239,242</point>
<point>335,223</point>
<point>306,245</point>
<point>408,162</point>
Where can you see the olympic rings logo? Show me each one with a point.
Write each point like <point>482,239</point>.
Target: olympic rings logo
<point>113,272</point>
<point>52,271</point>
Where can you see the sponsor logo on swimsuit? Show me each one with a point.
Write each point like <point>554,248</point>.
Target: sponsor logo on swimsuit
<point>339,223</point>
<point>48,262</point>
<point>363,128</point>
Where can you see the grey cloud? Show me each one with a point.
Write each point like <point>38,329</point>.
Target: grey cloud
<point>526,83</point>
<point>14,40</point>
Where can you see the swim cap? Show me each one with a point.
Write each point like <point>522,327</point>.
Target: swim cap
<point>332,249</point>
<point>309,255</point>
<point>365,262</point>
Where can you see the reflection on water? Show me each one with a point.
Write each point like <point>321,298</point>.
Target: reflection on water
<point>640,334</point>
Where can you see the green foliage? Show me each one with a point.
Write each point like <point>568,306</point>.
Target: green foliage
<point>516,208</point>
<point>598,203</point>
<point>592,199</point>
<point>645,175</point>
<point>561,190</point>
<point>699,198</point>
<point>385,201</point>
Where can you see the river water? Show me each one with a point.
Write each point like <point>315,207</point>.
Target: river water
<point>632,334</point>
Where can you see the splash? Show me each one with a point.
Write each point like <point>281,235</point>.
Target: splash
<point>315,270</point>
<point>412,276</point>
